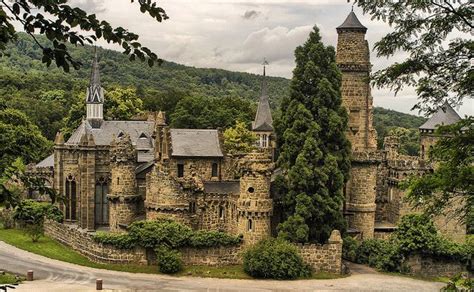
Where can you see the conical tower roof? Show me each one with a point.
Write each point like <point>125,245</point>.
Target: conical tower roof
<point>445,115</point>
<point>352,23</point>
<point>263,119</point>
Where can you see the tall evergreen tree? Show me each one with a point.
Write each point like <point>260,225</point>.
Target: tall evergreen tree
<point>314,152</point>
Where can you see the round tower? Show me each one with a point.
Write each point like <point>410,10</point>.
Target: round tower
<point>123,195</point>
<point>254,205</point>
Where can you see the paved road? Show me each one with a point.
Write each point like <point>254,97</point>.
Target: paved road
<point>53,275</point>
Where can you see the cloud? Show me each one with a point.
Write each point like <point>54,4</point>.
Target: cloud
<point>251,14</point>
<point>276,44</point>
<point>90,6</point>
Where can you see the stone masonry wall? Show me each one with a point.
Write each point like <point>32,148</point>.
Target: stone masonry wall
<point>82,241</point>
<point>327,257</point>
<point>430,267</point>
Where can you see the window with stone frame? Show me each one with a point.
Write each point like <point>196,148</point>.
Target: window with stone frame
<point>250,225</point>
<point>180,170</point>
<point>101,202</point>
<point>71,198</point>
<point>221,212</point>
<point>215,170</point>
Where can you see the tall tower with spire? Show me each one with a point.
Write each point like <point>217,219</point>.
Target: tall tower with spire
<point>95,97</point>
<point>353,59</point>
<point>263,123</point>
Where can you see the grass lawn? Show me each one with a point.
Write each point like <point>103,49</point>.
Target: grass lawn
<point>52,249</point>
<point>9,279</point>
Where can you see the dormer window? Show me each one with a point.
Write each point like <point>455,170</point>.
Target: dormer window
<point>143,136</point>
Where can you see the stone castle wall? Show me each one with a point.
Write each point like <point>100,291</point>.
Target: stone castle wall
<point>325,257</point>
<point>427,266</point>
<point>81,241</point>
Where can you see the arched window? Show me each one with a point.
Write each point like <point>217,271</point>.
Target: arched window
<point>101,202</point>
<point>250,225</point>
<point>71,198</point>
<point>214,169</point>
<point>264,141</point>
<point>221,212</point>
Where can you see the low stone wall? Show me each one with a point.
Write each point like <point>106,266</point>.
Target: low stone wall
<point>82,241</point>
<point>327,257</point>
<point>427,266</point>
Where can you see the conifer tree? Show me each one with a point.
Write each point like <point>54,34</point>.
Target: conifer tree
<point>314,151</point>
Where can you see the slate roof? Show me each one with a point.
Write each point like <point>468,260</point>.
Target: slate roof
<point>112,129</point>
<point>263,119</point>
<point>47,162</point>
<point>195,143</point>
<point>222,187</point>
<point>352,22</point>
<point>445,115</point>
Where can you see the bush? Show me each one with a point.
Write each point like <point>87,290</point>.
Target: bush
<point>31,215</point>
<point>416,233</point>
<point>204,238</point>
<point>161,232</point>
<point>120,240</point>
<point>381,254</point>
<point>349,248</point>
<point>6,218</point>
<point>169,260</point>
<point>274,259</point>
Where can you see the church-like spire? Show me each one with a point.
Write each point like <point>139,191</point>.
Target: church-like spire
<point>351,23</point>
<point>263,119</point>
<point>95,93</point>
<point>95,96</point>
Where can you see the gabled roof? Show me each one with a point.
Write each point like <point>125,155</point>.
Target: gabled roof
<point>47,162</point>
<point>111,129</point>
<point>445,115</point>
<point>263,119</point>
<point>352,23</point>
<point>195,143</point>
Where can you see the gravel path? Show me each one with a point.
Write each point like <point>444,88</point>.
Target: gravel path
<point>52,275</point>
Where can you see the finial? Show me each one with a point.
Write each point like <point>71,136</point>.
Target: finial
<point>265,63</point>
<point>352,9</point>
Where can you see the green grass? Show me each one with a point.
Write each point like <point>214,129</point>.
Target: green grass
<point>9,279</point>
<point>52,249</point>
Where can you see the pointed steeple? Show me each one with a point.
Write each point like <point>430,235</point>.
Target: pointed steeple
<point>445,115</point>
<point>95,93</point>
<point>263,119</point>
<point>95,96</point>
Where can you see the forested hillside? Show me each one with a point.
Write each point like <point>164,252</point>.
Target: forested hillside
<point>192,97</point>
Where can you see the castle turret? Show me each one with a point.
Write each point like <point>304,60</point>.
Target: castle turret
<point>123,195</point>
<point>353,59</point>
<point>254,205</point>
<point>95,97</point>
<point>262,126</point>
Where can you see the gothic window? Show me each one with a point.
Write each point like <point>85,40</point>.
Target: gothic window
<point>214,169</point>
<point>264,141</point>
<point>71,198</point>
<point>192,207</point>
<point>221,212</point>
<point>250,225</point>
<point>101,202</point>
<point>180,170</point>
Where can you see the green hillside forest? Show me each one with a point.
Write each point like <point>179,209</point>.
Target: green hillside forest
<point>191,97</point>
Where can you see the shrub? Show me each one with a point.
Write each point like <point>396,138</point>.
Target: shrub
<point>349,248</point>
<point>416,233</point>
<point>6,218</point>
<point>169,260</point>
<point>204,238</point>
<point>120,240</point>
<point>274,259</point>
<point>31,215</point>
<point>161,232</point>
<point>381,254</point>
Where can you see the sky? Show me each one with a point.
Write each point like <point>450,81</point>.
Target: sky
<point>238,34</point>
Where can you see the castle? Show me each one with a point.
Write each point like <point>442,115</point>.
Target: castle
<point>115,172</point>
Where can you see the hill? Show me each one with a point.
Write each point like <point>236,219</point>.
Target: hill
<point>192,97</point>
